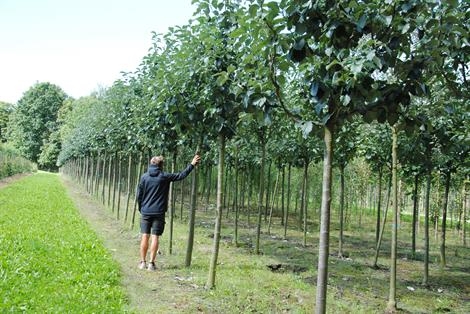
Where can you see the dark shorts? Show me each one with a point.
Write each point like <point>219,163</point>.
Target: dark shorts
<point>152,224</point>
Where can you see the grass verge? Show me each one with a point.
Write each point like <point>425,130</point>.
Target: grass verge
<point>50,259</point>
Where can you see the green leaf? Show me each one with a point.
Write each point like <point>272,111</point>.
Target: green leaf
<point>345,100</point>
<point>361,23</point>
<point>370,55</point>
<point>221,78</point>
<point>405,28</point>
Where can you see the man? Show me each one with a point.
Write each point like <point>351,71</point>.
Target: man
<point>152,198</point>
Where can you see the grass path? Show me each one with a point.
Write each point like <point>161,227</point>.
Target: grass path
<point>50,260</point>
<point>148,292</point>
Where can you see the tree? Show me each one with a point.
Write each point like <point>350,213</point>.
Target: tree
<point>5,110</point>
<point>34,120</point>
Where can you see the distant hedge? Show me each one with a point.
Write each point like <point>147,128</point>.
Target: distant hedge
<point>12,163</point>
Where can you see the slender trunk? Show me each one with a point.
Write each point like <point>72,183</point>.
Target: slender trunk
<point>235,201</point>
<point>286,218</point>
<point>141,157</point>
<point>129,177</point>
<point>465,206</point>
<point>87,162</point>
<point>97,175</point>
<point>91,177</point>
<point>209,186</point>
<point>115,178</point>
<point>109,178</point>
<point>379,243</point>
<point>272,203</point>
<point>426,229</point>
<point>182,184</point>
<point>305,200</point>
<point>268,188</point>
<point>379,203</point>
<point>225,193</point>
<point>324,245</point>
<point>171,196</point>
<point>444,218</point>
<point>103,179</point>
<point>283,184</point>
<point>302,200</point>
<point>192,218</point>
<point>218,221</point>
<point>260,195</point>
<point>119,186</point>
<point>392,300</point>
<point>341,210</point>
<point>415,217</point>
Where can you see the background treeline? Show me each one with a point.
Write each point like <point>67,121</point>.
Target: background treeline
<point>11,162</point>
<point>314,109</point>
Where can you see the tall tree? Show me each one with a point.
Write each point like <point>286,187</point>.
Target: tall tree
<point>5,110</point>
<point>35,119</point>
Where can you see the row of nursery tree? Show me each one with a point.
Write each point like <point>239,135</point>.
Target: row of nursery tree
<point>266,90</point>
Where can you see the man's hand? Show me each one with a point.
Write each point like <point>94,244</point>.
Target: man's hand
<point>196,160</point>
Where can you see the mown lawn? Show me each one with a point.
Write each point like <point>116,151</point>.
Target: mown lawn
<point>50,259</point>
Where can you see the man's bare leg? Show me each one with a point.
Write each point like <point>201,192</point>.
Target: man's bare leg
<point>144,245</point>
<point>153,248</point>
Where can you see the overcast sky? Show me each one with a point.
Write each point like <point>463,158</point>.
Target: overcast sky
<point>78,45</point>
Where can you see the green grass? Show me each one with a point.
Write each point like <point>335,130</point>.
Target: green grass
<point>245,284</point>
<point>50,260</point>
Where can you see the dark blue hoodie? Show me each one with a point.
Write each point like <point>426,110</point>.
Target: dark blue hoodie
<point>152,193</point>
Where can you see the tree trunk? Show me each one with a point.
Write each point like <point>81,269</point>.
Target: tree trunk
<point>426,228</point>
<point>235,200</point>
<point>377,249</point>
<point>192,217</point>
<point>305,200</point>
<point>119,186</point>
<point>341,210</point>
<point>286,218</point>
<point>260,195</point>
<point>172,198</point>
<point>267,191</point>
<point>141,157</point>
<point>103,174</point>
<point>129,178</point>
<point>182,184</point>
<point>97,175</point>
<point>444,218</point>
<point>415,216</point>
<point>272,203</point>
<point>379,203</point>
<point>392,301</point>
<point>218,220</point>
<point>283,184</point>
<point>465,206</point>
<point>324,245</point>
<point>115,178</point>
<point>109,178</point>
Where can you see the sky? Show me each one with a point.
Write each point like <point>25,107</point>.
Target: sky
<point>78,45</point>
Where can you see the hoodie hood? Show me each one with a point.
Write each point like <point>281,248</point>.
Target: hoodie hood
<point>154,170</point>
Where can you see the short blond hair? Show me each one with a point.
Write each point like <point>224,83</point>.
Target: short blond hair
<point>157,160</point>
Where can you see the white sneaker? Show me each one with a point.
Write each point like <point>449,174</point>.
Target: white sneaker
<point>142,265</point>
<point>151,266</point>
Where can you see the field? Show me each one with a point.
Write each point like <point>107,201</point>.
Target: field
<point>85,260</point>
